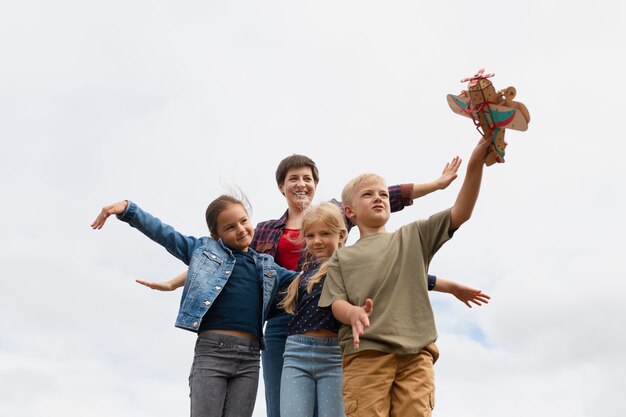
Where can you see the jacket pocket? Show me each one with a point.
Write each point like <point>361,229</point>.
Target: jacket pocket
<point>266,247</point>
<point>202,272</point>
<point>211,261</point>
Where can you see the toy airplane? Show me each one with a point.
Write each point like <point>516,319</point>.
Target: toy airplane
<point>491,111</point>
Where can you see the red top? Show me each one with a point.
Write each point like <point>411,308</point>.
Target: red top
<point>290,246</point>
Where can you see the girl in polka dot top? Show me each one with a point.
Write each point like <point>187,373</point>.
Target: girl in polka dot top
<point>312,360</point>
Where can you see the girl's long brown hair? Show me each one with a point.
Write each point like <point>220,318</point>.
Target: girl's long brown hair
<point>220,204</point>
<point>331,217</point>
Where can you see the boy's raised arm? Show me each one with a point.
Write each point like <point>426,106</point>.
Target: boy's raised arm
<point>466,200</point>
<point>115,208</point>
<point>448,175</point>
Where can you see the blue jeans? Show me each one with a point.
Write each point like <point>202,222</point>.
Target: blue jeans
<point>224,376</point>
<point>311,373</point>
<point>272,359</point>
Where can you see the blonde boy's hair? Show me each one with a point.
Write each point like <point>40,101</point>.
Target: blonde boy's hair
<point>347,195</point>
<point>331,217</point>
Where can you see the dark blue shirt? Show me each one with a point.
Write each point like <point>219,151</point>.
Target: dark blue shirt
<point>239,306</point>
<point>307,316</point>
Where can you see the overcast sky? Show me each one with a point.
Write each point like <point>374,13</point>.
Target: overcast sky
<point>170,104</point>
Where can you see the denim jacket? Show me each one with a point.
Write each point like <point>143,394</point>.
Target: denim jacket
<point>210,264</point>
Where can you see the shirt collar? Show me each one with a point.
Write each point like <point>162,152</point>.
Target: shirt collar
<point>282,221</point>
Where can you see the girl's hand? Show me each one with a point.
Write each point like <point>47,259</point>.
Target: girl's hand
<point>117,208</point>
<point>359,320</point>
<point>161,286</point>
<point>469,295</point>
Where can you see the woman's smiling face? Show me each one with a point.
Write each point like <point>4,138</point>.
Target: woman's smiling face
<point>299,187</point>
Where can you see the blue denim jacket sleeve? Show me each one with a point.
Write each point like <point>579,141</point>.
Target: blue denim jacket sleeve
<point>176,243</point>
<point>285,277</point>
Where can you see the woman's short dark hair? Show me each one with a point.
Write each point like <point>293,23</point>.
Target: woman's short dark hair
<point>295,161</point>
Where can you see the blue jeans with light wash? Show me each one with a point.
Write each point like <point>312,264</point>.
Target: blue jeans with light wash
<point>224,376</point>
<point>272,359</point>
<point>311,373</point>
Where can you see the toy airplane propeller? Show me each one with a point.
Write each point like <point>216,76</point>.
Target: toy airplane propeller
<point>491,111</point>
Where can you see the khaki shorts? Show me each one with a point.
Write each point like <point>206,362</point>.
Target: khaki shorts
<point>380,384</point>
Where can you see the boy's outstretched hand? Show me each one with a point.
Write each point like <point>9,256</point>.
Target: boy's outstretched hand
<point>116,208</point>
<point>481,151</point>
<point>359,320</point>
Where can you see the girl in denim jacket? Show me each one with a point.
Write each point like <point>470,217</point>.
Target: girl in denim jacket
<point>225,371</point>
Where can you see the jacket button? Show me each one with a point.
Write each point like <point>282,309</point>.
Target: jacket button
<point>213,256</point>
<point>218,287</point>
<point>195,324</point>
<point>227,272</point>
<point>207,302</point>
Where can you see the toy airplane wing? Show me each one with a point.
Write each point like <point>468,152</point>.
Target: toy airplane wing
<point>508,118</point>
<point>502,116</point>
<point>458,104</point>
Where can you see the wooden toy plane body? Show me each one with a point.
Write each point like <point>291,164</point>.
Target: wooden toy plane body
<point>492,112</point>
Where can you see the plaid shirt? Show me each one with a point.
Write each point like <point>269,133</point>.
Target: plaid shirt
<point>268,233</point>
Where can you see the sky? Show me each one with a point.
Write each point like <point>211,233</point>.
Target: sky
<point>170,104</point>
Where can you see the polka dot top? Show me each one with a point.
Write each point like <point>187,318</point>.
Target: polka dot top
<point>307,316</point>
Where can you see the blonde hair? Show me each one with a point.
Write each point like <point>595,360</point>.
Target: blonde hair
<point>329,215</point>
<point>347,195</point>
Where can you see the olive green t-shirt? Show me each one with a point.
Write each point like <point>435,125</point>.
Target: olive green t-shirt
<point>391,269</point>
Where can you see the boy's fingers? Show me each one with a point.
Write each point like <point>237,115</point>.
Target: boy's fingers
<point>369,306</point>
<point>355,336</point>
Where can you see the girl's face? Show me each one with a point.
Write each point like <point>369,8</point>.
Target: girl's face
<point>235,228</point>
<point>320,241</point>
<point>299,187</point>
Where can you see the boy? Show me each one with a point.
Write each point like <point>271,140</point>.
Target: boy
<point>380,283</point>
